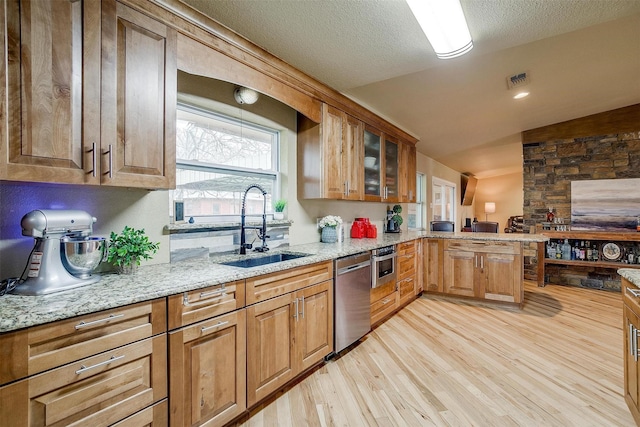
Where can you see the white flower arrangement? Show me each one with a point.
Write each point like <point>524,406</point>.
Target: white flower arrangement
<point>330,221</point>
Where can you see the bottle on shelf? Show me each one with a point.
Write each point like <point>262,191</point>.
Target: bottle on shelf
<point>566,250</point>
<point>594,253</point>
<point>588,254</point>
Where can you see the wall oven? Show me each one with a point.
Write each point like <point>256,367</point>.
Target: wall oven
<point>383,266</point>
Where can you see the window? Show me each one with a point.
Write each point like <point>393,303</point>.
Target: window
<point>416,215</point>
<point>444,200</point>
<point>217,158</point>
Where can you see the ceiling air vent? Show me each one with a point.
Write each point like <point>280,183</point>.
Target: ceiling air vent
<point>518,80</point>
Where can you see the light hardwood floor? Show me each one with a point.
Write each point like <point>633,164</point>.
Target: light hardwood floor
<point>444,362</point>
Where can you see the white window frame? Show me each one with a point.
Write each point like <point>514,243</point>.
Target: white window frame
<point>452,188</point>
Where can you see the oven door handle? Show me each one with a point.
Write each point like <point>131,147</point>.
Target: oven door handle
<point>377,258</point>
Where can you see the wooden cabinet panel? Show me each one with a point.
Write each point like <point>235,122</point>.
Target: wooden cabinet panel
<point>201,304</point>
<point>353,158</point>
<point>139,89</point>
<point>433,259</point>
<point>272,285</point>
<point>502,276</point>
<point>269,340</point>
<point>314,328</point>
<point>98,390</point>
<point>51,345</point>
<point>459,273</point>
<point>406,290</point>
<point>53,91</point>
<point>391,176</point>
<point>631,325</point>
<point>332,123</point>
<point>407,171</point>
<point>208,371</point>
<point>153,416</point>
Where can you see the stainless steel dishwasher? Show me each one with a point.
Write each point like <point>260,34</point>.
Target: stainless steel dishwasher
<point>352,318</point>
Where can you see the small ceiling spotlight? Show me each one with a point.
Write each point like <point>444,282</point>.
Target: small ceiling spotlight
<point>520,95</point>
<point>244,95</point>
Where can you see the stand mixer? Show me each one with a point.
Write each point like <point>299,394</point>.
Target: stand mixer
<point>64,255</point>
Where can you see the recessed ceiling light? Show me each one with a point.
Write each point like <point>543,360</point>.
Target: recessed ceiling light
<point>521,95</point>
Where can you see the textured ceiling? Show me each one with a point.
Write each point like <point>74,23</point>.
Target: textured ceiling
<point>583,57</point>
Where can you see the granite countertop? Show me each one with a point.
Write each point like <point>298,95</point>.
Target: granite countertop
<point>161,280</point>
<point>631,274</point>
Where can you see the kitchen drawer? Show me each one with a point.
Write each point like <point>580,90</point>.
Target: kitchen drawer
<point>384,307</point>
<point>201,304</point>
<point>153,416</point>
<point>406,248</point>
<point>37,349</point>
<point>275,284</point>
<point>495,247</point>
<point>406,266</point>
<point>382,291</point>
<point>406,288</point>
<point>95,391</point>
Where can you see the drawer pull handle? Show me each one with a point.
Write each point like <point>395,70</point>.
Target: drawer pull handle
<point>221,291</point>
<point>84,324</point>
<point>217,325</point>
<point>106,362</point>
<point>634,292</point>
<point>385,301</point>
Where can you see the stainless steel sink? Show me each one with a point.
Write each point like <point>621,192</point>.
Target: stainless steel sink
<point>263,260</point>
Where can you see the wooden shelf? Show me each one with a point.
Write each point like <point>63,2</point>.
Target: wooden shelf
<point>619,236</point>
<point>602,264</point>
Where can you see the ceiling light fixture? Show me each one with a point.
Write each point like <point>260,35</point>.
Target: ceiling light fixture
<point>444,25</point>
<point>244,95</point>
<point>520,95</point>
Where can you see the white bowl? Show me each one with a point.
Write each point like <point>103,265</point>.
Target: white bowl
<point>369,162</point>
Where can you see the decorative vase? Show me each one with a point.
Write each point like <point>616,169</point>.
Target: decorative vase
<point>128,269</point>
<point>329,235</point>
<point>278,215</point>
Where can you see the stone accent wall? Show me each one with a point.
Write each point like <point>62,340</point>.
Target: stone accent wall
<point>550,166</point>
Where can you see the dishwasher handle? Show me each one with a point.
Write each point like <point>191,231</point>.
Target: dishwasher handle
<point>353,267</point>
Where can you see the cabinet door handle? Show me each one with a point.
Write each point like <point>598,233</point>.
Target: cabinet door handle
<point>296,310</point>
<point>302,301</point>
<point>635,343</point>
<point>482,262</point>
<point>217,325</point>
<point>346,188</point>
<point>84,324</point>
<point>632,350</point>
<point>476,260</point>
<point>106,362</point>
<point>110,153</point>
<point>634,292</point>
<point>94,159</point>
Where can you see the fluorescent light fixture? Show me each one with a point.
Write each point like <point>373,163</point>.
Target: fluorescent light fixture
<point>444,25</point>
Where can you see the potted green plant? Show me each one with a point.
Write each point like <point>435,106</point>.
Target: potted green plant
<point>278,207</point>
<point>128,248</point>
<point>397,210</point>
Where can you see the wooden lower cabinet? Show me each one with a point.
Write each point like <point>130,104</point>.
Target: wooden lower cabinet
<point>432,263</point>
<point>285,336</point>
<point>407,263</point>
<point>483,269</point>
<point>97,391</point>
<point>631,324</point>
<point>207,366</point>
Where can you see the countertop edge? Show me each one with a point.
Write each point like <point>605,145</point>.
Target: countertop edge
<point>162,280</point>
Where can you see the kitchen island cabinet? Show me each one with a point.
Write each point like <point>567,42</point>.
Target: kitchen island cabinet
<point>631,325</point>
<point>90,95</point>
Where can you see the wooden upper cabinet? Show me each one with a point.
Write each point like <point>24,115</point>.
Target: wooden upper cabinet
<point>330,156</point>
<point>90,95</point>
<point>407,172</point>
<point>139,90</point>
<point>53,91</point>
<point>391,173</point>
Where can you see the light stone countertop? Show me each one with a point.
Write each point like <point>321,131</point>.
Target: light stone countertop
<point>155,281</point>
<point>632,275</point>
